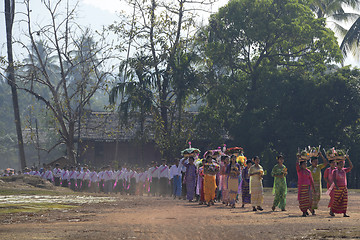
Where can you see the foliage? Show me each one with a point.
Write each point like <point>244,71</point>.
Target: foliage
<point>159,78</point>
<point>337,14</point>
<point>63,72</point>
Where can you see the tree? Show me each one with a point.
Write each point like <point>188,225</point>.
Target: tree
<point>79,60</point>
<point>249,46</point>
<point>336,15</point>
<point>161,33</point>
<point>9,21</point>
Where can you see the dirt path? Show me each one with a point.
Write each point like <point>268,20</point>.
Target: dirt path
<point>164,218</point>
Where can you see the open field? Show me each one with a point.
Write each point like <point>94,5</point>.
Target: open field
<point>133,217</point>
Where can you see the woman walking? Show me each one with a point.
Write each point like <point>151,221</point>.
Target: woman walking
<point>245,182</point>
<point>233,172</point>
<point>256,173</point>
<point>279,173</point>
<point>339,195</point>
<point>190,178</point>
<point>305,186</point>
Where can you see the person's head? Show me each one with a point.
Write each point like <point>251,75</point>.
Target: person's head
<point>233,159</point>
<point>226,160</point>
<point>248,163</point>
<point>163,162</point>
<point>280,159</point>
<point>176,161</point>
<point>332,163</point>
<point>314,161</point>
<point>340,164</point>
<point>208,158</point>
<point>191,160</point>
<point>302,164</point>
<point>256,160</point>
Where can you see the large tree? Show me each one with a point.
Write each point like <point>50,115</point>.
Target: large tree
<point>67,62</point>
<point>161,75</point>
<point>245,44</point>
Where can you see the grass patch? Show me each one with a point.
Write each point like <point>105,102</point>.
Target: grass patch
<point>35,191</point>
<point>32,207</point>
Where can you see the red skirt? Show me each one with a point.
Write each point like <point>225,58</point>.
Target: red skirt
<point>339,200</point>
<point>304,197</point>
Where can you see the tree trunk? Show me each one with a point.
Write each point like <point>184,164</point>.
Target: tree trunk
<point>70,147</point>
<point>9,19</point>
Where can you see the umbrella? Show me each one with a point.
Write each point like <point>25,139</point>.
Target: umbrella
<point>234,150</point>
<point>212,152</point>
<point>190,150</point>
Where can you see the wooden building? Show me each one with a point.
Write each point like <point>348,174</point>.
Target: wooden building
<point>104,141</point>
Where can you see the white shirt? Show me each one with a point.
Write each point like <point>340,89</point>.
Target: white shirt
<point>154,172</point>
<point>107,175</point>
<point>175,171</point>
<point>48,175</point>
<point>73,174</point>
<point>93,176</point>
<point>65,175</point>
<point>57,172</point>
<point>164,171</point>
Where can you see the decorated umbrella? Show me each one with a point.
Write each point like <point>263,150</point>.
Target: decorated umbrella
<point>233,150</point>
<point>213,152</point>
<point>190,150</point>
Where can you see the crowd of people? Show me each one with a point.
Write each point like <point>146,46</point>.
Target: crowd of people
<point>217,177</point>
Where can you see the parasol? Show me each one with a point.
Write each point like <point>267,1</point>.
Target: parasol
<point>190,150</point>
<point>233,150</point>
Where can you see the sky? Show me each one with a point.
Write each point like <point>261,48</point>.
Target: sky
<point>92,13</point>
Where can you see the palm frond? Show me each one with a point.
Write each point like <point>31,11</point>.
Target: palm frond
<point>338,29</point>
<point>350,43</point>
<point>345,17</point>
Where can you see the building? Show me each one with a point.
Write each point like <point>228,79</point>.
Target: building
<point>105,141</point>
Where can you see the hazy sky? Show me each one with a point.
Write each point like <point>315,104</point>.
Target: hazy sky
<point>92,13</point>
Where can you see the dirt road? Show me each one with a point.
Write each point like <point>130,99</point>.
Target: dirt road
<point>145,217</point>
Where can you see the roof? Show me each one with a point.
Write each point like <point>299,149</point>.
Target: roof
<point>107,126</point>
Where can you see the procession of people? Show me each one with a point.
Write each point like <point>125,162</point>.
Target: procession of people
<point>222,176</point>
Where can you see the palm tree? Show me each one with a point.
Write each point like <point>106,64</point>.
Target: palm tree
<point>335,13</point>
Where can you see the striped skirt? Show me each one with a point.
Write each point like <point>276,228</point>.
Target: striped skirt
<point>339,200</point>
<point>246,196</point>
<point>304,197</point>
<point>233,185</point>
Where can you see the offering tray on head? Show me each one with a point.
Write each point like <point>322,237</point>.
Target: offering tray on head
<point>211,168</point>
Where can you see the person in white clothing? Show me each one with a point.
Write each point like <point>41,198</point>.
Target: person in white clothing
<point>64,177</point>
<point>48,175</point>
<point>154,179</point>
<point>57,174</point>
<point>94,181</point>
<point>175,175</point>
<point>72,178</point>
<point>108,180</point>
<point>164,179</point>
